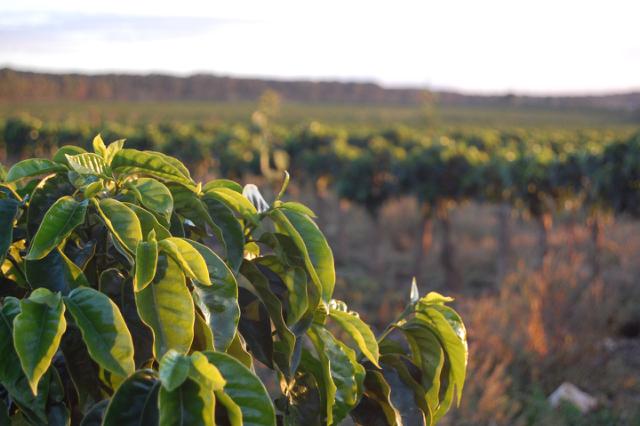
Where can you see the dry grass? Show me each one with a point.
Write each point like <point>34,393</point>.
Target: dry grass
<point>529,333</point>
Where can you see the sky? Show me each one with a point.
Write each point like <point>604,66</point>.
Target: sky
<point>480,46</point>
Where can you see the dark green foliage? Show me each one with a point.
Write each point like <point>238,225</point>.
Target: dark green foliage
<point>146,298</point>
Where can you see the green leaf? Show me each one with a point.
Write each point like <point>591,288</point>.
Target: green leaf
<point>230,229</point>
<point>222,183</point>
<point>166,306</point>
<point>426,353</point>
<point>153,195</point>
<point>191,404</point>
<point>238,350</point>
<point>202,371</point>
<point>83,370</point>
<point>148,222</point>
<point>407,395</point>
<point>72,272</point>
<point>98,146</point>
<point>360,332</point>
<point>316,251</point>
<point>95,414</point>
<point>121,221</point>
<point>93,189</point>
<point>295,279</point>
<point>47,192</point>
<point>61,154</point>
<point>245,389</point>
<point>135,402</point>
<point>89,163</point>
<point>37,331</point>
<point>58,223</point>
<point>146,262</point>
<point>12,377</point>
<point>287,341</point>
<point>113,148</point>
<point>236,202</point>
<point>189,205</point>
<point>343,376</point>
<point>132,161</point>
<point>298,207</point>
<point>218,302</point>
<point>378,390</point>
<point>103,329</point>
<point>54,272</point>
<point>33,167</point>
<point>452,337</point>
<point>202,334</point>
<point>8,214</point>
<point>189,259</point>
<point>174,369</point>
<point>174,162</point>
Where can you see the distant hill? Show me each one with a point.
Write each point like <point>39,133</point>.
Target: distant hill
<point>24,86</point>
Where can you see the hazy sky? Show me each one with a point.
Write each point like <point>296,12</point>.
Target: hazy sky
<point>541,46</point>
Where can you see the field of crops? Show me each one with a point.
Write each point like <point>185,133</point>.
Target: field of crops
<point>534,207</point>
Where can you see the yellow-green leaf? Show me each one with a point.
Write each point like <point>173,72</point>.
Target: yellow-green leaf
<point>103,328</point>
<point>58,223</point>
<point>189,259</point>
<point>37,331</point>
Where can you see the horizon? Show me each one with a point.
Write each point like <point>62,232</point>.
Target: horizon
<point>604,93</point>
<point>530,49</point>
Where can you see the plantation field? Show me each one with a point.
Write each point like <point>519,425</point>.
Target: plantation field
<point>332,114</point>
<point>529,217</point>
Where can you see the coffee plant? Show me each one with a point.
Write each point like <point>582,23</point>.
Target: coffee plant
<point>133,295</point>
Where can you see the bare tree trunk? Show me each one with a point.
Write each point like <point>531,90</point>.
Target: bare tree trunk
<point>595,226</point>
<point>503,257</point>
<point>424,240</point>
<point>447,253</point>
<point>545,221</point>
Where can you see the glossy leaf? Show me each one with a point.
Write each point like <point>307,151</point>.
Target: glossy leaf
<point>58,223</point>
<point>202,371</point>
<point>153,164</point>
<point>135,402</point>
<point>148,222</point>
<point>146,263</point>
<point>37,331</point>
<point>89,164</point>
<point>82,368</point>
<point>343,376</point>
<point>218,302</point>
<point>61,154</point>
<point>359,331</point>
<point>33,167</point>
<point>12,377</point>
<point>191,404</point>
<point>112,150</point>
<point>245,389</point>
<point>54,272</point>
<point>103,329</point>
<point>174,369</point>
<point>153,195</point>
<point>189,259</point>
<point>8,213</point>
<point>230,230</point>
<point>222,183</point>
<point>236,202</point>
<point>313,245</point>
<point>274,308</point>
<point>122,222</point>
<point>166,307</point>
